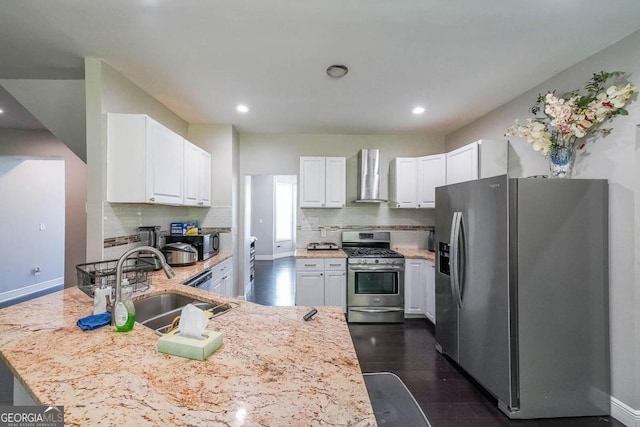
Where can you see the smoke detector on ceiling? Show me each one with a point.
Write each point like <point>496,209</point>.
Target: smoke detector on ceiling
<point>336,71</point>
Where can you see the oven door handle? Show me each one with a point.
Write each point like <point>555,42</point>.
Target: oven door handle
<point>377,310</point>
<point>376,268</point>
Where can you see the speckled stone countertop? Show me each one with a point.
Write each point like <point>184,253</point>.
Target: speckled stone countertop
<point>305,253</point>
<point>414,253</point>
<point>274,369</point>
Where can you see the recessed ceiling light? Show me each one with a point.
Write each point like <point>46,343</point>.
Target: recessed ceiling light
<point>336,71</point>
<point>242,108</point>
<point>418,110</point>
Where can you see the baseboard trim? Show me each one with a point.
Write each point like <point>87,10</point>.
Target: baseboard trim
<point>264,257</point>
<point>624,413</point>
<point>31,289</point>
<point>283,255</point>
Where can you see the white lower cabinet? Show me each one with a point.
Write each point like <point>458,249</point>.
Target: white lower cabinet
<point>420,289</point>
<point>414,286</point>
<point>430,294</point>
<point>321,281</point>
<point>335,283</point>
<point>222,278</point>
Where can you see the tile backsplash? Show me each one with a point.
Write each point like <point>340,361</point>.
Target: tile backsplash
<point>408,227</point>
<point>121,222</point>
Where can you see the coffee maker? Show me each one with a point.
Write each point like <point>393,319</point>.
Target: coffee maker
<point>151,235</point>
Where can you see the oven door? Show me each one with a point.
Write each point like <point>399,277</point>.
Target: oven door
<point>375,293</point>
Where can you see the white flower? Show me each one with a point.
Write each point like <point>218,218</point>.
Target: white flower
<point>567,119</point>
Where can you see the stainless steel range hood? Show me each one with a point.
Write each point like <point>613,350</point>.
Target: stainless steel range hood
<point>369,176</point>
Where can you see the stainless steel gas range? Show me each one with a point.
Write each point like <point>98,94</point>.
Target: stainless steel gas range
<point>375,278</point>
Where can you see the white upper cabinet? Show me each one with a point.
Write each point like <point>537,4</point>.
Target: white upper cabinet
<point>322,182</point>
<point>403,177</point>
<point>413,181</point>
<point>149,163</point>
<point>431,174</point>
<point>480,159</point>
<point>144,161</point>
<point>462,164</point>
<point>197,176</point>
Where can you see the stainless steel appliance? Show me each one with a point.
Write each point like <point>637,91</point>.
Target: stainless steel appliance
<point>369,176</point>
<point>522,291</point>
<point>201,281</point>
<point>322,246</point>
<point>178,254</point>
<point>150,235</point>
<point>207,245</point>
<point>375,278</point>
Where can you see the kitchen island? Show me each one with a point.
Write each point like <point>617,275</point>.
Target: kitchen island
<point>273,369</point>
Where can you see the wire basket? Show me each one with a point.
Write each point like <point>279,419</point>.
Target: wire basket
<point>95,274</point>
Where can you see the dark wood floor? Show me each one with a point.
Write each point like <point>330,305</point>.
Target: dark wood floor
<point>445,394</point>
<point>274,282</point>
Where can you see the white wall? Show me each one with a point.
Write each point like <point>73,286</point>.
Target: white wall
<point>32,218</point>
<point>279,154</point>
<point>262,214</point>
<point>41,143</point>
<point>107,91</point>
<point>616,158</point>
<point>59,105</point>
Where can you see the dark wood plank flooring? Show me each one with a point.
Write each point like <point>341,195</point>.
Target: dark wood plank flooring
<point>274,282</point>
<point>445,394</point>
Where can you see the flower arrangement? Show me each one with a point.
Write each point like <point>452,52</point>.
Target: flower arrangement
<point>571,119</point>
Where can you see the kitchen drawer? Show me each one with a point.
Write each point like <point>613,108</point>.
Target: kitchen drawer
<point>335,264</point>
<point>219,270</point>
<point>309,264</point>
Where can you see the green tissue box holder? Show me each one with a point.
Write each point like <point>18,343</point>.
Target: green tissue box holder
<point>191,348</point>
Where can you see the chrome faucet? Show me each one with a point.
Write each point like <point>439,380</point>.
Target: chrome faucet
<point>163,263</point>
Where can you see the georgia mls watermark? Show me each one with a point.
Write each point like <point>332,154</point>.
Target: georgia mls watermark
<point>31,416</point>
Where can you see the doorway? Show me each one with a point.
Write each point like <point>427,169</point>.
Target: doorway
<point>271,203</point>
<point>273,215</point>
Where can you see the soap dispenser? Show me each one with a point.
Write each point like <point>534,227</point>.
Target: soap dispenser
<point>124,311</point>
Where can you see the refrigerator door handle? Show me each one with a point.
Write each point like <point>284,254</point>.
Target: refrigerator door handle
<point>455,256</point>
<point>461,255</point>
<point>452,254</point>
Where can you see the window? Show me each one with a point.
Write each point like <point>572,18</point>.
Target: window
<point>284,211</point>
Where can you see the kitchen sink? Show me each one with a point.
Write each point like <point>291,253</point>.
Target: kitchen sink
<point>159,311</point>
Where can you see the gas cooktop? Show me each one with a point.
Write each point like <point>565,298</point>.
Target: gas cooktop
<point>372,252</point>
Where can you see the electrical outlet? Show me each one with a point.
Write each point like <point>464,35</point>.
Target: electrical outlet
<point>36,271</point>
<point>42,226</point>
<point>323,232</point>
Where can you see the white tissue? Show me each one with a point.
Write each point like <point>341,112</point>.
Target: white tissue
<point>193,321</point>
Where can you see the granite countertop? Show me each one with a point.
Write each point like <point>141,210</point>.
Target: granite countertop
<point>414,253</point>
<point>330,253</point>
<point>273,368</point>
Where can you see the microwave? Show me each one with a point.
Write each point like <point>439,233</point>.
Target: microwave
<point>207,245</point>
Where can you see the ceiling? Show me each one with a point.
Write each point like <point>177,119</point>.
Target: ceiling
<point>458,59</point>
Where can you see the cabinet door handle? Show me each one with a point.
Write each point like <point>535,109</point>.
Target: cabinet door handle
<point>153,199</point>
<point>321,274</point>
<point>201,203</point>
<point>310,265</point>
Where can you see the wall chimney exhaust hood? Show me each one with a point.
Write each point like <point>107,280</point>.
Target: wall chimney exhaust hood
<point>369,176</point>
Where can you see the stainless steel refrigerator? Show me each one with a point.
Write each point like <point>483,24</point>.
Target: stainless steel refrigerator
<point>522,291</point>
